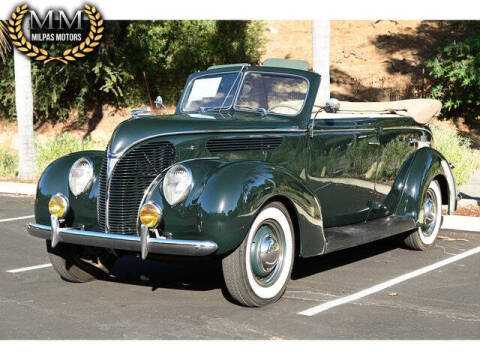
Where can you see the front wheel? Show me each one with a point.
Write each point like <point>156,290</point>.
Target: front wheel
<point>257,272</point>
<point>425,236</point>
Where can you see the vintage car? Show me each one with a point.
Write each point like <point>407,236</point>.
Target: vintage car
<point>252,173</point>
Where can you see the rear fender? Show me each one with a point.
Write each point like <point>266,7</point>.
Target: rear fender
<point>426,165</point>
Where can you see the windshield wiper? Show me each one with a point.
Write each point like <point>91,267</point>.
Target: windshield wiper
<point>257,109</point>
<point>213,108</point>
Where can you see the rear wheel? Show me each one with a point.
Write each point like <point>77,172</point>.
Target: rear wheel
<point>425,236</point>
<point>257,272</point>
<point>79,264</point>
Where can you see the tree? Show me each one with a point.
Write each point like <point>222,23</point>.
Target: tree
<point>24,106</point>
<point>321,56</point>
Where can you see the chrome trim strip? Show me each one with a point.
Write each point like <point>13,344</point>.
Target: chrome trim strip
<point>374,129</point>
<point>407,128</point>
<point>112,160</point>
<point>344,130</point>
<point>349,116</point>
<point>125,242</point>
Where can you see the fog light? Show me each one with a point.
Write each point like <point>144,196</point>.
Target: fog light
<point>150,215</point>
<point>58,205</point>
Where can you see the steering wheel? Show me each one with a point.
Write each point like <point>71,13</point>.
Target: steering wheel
<point>282,105</point>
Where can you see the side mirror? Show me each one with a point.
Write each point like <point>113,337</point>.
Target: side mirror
<point>158,102</point>
<point>332,105</point>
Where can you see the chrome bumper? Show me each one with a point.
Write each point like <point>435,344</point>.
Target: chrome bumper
<point>143,244</point>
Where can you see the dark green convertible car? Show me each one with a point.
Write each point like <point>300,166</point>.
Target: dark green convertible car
<point>249,171</point>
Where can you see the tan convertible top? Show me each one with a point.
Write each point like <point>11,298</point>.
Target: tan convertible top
<point>422,111</point>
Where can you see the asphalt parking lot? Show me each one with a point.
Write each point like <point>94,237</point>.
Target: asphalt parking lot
<point>148,300</point>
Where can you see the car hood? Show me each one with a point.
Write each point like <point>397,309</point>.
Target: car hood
<point>137,129</point>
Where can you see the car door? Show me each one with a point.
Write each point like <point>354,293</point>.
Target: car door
<point>397,143</point>
<point>342,165</point>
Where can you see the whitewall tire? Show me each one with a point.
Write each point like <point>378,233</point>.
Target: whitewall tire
<point>258,271</point>
<point>426,235</point>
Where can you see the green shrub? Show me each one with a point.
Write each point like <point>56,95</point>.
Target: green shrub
<point>8,163</point>
<point>456,77</point>
<point>48,151</point>
<point>456,150</point>
<point>66,143</point>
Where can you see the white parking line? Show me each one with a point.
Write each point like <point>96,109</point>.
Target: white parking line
<point>358,295</point>
<point>29,268</point>
<point>17,218</point>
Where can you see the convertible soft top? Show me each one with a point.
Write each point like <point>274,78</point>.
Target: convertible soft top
<point>422,111</point>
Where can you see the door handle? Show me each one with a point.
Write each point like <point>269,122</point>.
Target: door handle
<point>374,143</point>
<point>375,206</point>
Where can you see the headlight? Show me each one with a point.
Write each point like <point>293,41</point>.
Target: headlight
<point>81,176</point>
<point>58,205</point>
<point>177,184</point>
<point>150,215</point>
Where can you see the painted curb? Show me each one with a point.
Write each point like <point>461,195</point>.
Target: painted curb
<point>467,202</point>
<point>10,187</point>
<point>464,223</point>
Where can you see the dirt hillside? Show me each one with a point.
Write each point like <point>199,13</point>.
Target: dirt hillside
<point>369,60</point>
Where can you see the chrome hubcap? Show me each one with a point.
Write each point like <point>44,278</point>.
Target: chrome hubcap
<point>429,213</point>
<point>267,253</point>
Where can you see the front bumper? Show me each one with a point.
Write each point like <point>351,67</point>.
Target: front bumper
<point>143,244</point>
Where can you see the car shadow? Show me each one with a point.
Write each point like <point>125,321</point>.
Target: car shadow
<point>197,276</point>
<point>205,276</point>
<point>305,267</point>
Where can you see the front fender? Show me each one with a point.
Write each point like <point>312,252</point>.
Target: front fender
<point>227,196</point>
<point>83,208</point>
<point>427,164</point>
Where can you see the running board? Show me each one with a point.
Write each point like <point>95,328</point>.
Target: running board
<point>343,237</point>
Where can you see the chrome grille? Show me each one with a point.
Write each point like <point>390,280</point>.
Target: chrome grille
<point>131,176</point>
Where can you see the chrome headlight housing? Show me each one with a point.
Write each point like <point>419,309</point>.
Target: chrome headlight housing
<point>177,184</point>
<point>81,175</point>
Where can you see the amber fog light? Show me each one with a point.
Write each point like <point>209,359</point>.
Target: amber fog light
<point>58,205</point>
<point>150,215</point>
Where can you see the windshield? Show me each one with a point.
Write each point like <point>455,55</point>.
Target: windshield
<point>211,92</point>
<point>261,92</point>
<point>272,93</point>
